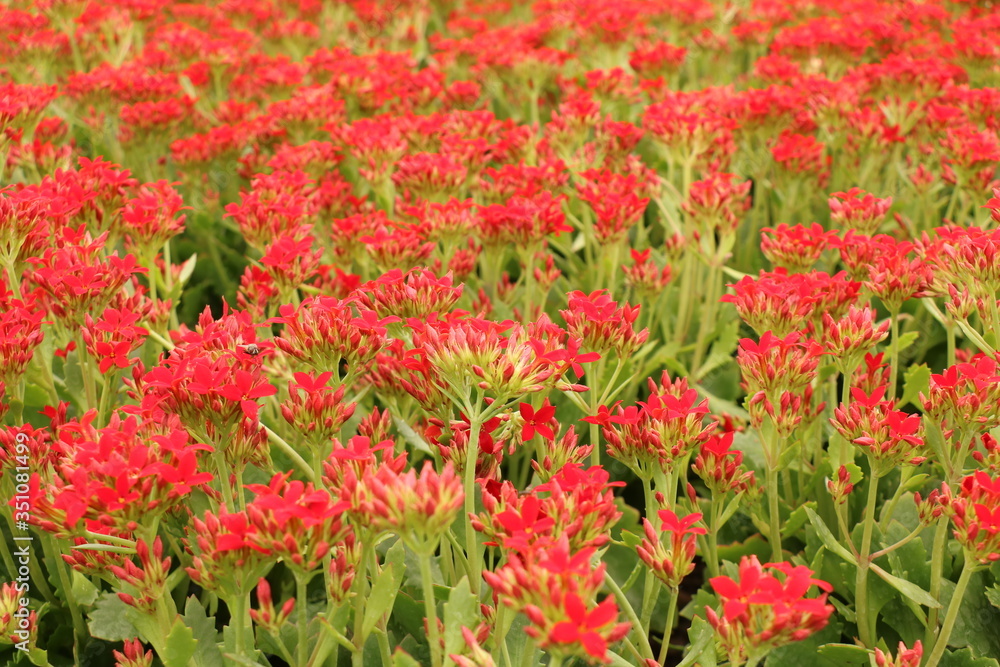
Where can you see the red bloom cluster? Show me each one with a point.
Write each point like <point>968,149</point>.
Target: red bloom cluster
<point>761,611</point>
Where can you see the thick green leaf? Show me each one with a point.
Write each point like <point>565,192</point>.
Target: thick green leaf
<point>845,654</point>
<point>753,452</point>
<point>109,619</point>
<point>829,541</point>
<point>519,644</point>
<point>203,627</point>
<point>84,591</point>
<point>411,436</point>
<point>722,349</point>
<point>907,339</point>
<point>966,658</point>
<point>753,545</point>
<point>74,377</point>
<point>909,561</point>
<point>403,659</point>
<point>383,593</point>
<point>993,595</point>
<point>233,659</point>
<point>916,380</point>
<point>978,620</point>
<point>631,539</point>
<point>907,588</point>
<point>731,509</point>
<point>408,613</point>
<point>701,647</point>
<point>797,519</point>
<point>461,610</point>
<point>181,645</point>
<point>806,652</point>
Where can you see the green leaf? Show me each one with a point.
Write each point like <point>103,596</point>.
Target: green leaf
<point>701,647</point>
<point>383,593</point>
<point>203,628</point>
<point>403,659</point>
<point>187,269</point>
<point>461,610</point>
<point>907,588</point>
<point>978,619</point>
<point>109,619</point>
<point>411,436</point>
<point>915,482</point>
<point>993,595</point>
<point>38,657</point>
<point>806,652</point>
<point>519,644</point>
<point>181,645</point>
<point>753,452</point>
<point>753,545</point>
<point>966,658</point>
<point>829,541</point>
<point>827,371</point>
<point>35,396</point>
<point>907,339</point>
<point>84,591</point>
<point>720,405</point>
<point>916,380</point>
<point>845,654</point>
<point>631,539</point>
<point>722,349</point>
<point>234,659</point>
<point>408,614</point>
<point>74,377</point>
<point>617,660</point>
<point>797,519</point>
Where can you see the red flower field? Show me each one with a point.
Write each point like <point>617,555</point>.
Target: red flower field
<point>475,334</point>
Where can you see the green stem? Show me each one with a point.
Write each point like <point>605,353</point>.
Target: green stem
<point>529,286</point>
<point>707,318</point>
<point>290,452</point>
<point>650,585</point>
<point>668,627</point>
<point>8,560</point>
<point>240,490</point>
<point>941,643</point>
<point>639,628</point>
<point>302,625</point>
<point>430,607</point>
<point>950,331</point>
<point>865,623</point>
<point>952,201</point>
<point>595,398</point>
<point>102,410</point>
<point>238,613</point>
<point>937,567</point>
<point>890,508</point>
<point>773,514</point>
<point>51,550</point>
<point>712,557</point>
<point>89,386</point>
<point>361,581</point>
<point>893,355</point>
<point>223,470</point>
<point>471,541</point>
<point>556,660</point>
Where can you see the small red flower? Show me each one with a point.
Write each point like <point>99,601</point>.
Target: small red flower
<point>537,421</point>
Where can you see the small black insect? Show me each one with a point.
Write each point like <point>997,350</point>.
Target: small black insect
<point>252,349</point>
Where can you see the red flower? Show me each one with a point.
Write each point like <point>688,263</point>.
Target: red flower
<point>244,388</point>
<point>763,611</point>
<point>537,420</point>
<point>589,629</point>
